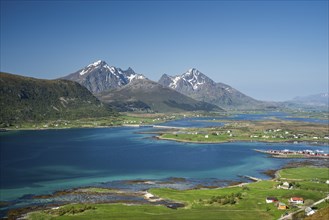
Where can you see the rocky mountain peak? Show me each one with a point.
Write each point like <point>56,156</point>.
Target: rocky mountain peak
<point>97,63</point>
<point>193,71</point>
<point>99,76</point>
<point>193,79</point>
<point>197,85</point>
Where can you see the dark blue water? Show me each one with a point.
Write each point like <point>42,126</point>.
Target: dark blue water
<point>41,162</point>
<point>38,162</point>
<point>194,122</point>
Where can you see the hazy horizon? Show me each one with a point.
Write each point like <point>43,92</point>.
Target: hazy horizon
<point>269,50</point>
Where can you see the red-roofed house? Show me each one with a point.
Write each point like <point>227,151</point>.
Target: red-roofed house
<point>271,199</point>
<point>296,200</point>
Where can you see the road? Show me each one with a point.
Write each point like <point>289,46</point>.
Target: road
<point>302,209</point>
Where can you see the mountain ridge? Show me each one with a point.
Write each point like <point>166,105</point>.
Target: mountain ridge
<point>99,76</point>
<point>153,97</point>
<point>197,85</point>
<point>319,99</point>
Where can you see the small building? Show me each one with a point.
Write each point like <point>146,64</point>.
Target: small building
<point>296,200</point>
<point>309,211</point>
<point>271,199</point>
<point>282,206</point>
<point>206,136</point>
<point>285,185</point>
<point>327,182</point>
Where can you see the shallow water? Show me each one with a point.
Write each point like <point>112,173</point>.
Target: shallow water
<point>210,121</point>
<point>34,162</point>
<point>41,162</point>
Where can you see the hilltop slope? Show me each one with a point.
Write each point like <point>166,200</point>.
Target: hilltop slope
<point>24,99</point>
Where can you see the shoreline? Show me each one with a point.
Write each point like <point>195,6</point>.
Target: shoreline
<point>153,200</point>
<point>292,155</point>
<point>4,131</point>
<point>249,141</point>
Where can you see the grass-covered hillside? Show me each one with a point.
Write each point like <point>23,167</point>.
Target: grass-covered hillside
<point>24,99</point>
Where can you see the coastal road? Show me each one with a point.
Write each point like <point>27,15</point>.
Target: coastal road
<point>302,209</point>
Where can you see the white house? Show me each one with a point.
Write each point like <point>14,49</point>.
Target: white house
<point>309,211</point>
<point>271,199</point>
<point>296,200</point>
<point>285,185</point>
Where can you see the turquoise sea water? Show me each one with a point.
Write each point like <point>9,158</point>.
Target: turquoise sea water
<point>44,161</point>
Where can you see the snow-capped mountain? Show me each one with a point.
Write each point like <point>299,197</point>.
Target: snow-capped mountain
<point>100,76</point>
<point>192,80</point>
<point>196,85</point>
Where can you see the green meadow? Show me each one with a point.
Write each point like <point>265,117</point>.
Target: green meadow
<point>237,202</point>
<point>261,131</point>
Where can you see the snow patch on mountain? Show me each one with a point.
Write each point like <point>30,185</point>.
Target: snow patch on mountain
<point>94,64</point>
<point>175,79</point>
<point>99,76</point>
<point>192,78</point>
<point>83,72</point>
<point>135,76</point>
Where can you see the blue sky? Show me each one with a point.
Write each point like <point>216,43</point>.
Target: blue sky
<point>270,50</point>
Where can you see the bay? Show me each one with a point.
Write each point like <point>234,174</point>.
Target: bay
<point>41,162</point>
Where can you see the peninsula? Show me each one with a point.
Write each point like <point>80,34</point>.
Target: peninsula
<point>275,130</point>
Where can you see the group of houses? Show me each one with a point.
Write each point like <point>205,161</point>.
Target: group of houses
<point>283,206</point>
<point>292,201</point>
<point>300,153</point>
<point>279,133</point>
<point>279,205</point>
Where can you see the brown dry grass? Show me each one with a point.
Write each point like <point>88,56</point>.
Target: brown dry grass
<point>322,214</point>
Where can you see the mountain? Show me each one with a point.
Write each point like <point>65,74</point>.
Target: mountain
<point>321,99</point>
<point>196,85</point>
<point>99,76</point>
<point>316,102</point>
<point>144,94</point>
<point>24,99</point>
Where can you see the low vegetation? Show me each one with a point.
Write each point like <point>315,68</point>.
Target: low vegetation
<point>109,121</point>
<point>25,100</point>
<point>268,131</point>
<point>238,202</point>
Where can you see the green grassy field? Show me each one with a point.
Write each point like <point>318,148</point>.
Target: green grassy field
<point>117,120</point>
<point>305,173</point>
<point>201,203</point>
<point>263,131</point>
